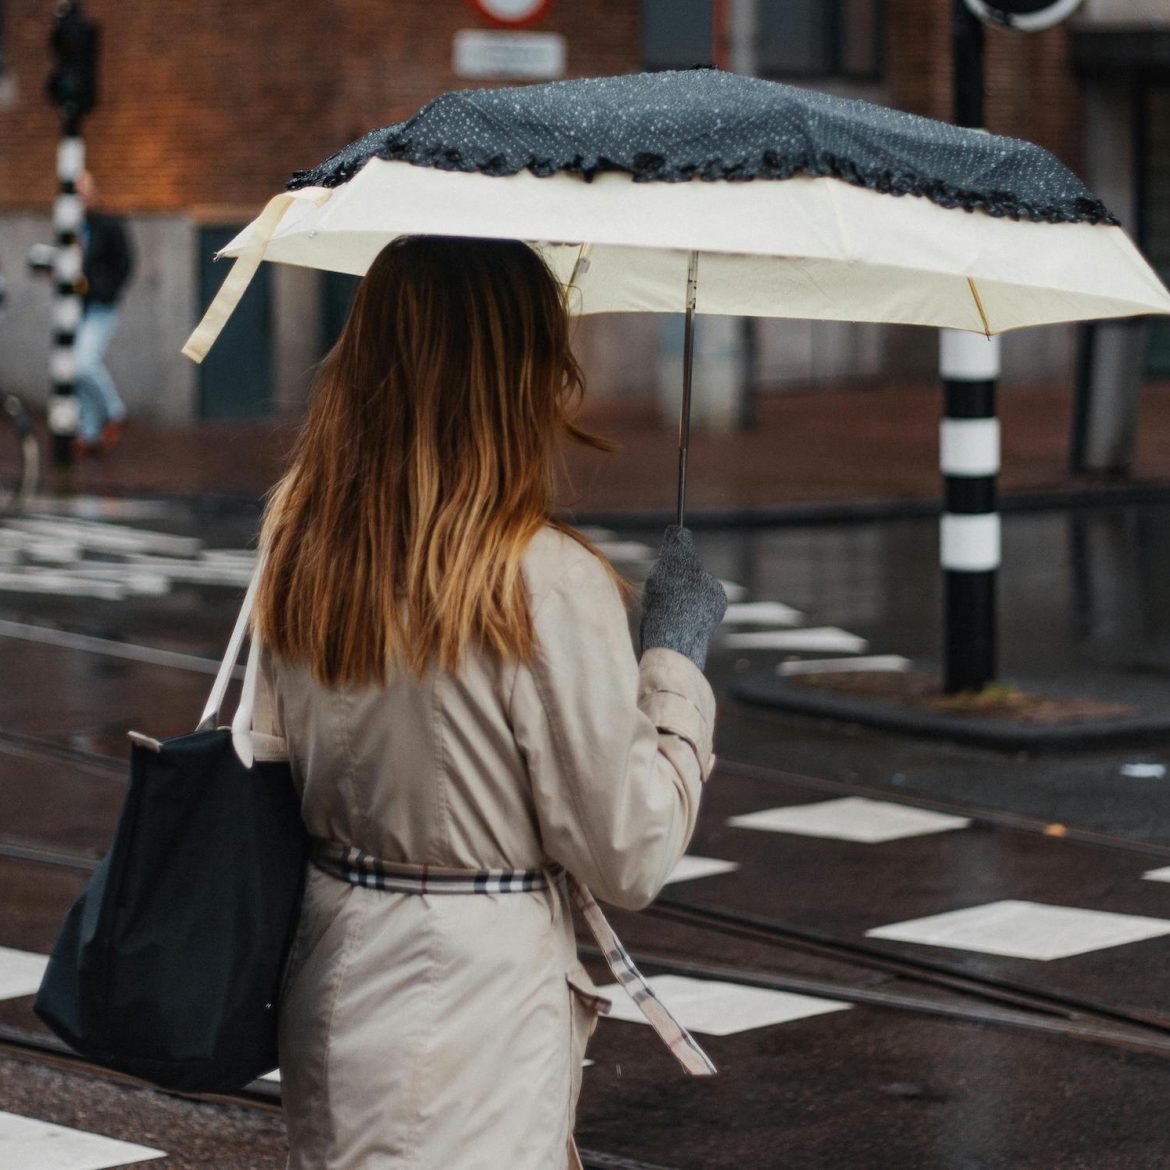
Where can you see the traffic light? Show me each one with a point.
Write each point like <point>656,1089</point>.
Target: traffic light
<point>72,84</point>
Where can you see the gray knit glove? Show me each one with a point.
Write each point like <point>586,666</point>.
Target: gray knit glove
<point>682,603</point>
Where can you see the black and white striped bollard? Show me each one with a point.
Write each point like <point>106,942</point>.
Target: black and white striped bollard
<point>969,537</point>
<point>68,218</point>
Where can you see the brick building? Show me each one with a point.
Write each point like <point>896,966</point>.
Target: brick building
<point>207,105</point>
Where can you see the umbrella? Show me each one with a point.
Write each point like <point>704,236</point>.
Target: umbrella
<point>702,191</point>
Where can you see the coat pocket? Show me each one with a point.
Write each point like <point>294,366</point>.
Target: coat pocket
<point>586,997</point>
<point>585,1005</point>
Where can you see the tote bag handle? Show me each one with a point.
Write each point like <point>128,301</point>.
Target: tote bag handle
<point>242,721</point>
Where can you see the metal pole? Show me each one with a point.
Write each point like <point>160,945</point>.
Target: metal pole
<point>684,424</point>
<point>68,218</point>
<point>967,46</point>
<point>969,544</point>
<point>969,536</point>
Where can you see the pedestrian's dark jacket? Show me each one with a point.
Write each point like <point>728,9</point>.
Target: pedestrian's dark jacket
<point>109,258</point>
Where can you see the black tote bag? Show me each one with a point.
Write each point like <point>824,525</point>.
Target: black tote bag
<point>169,964</point>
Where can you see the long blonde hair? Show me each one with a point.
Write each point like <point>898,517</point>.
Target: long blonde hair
<point>424,466</point>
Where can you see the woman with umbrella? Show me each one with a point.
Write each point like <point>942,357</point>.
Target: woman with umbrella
<point>466,720</point>
<point>451,667</point>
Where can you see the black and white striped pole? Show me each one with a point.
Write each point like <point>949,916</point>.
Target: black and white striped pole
<point>969,537</point>
<point>72,88</point>
<point>68,217</point>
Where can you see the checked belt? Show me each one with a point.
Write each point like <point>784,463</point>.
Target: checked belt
<point>359,868</point>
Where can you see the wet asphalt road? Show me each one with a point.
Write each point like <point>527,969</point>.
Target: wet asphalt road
<point>921,1071</point>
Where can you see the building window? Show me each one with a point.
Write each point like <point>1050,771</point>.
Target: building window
<point>676,34</point>
<point>791,39</point>
<point>819,38</point>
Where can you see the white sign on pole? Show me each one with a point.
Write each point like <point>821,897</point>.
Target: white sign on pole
<point>524,56</point>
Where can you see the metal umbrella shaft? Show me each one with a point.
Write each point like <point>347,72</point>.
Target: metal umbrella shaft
<point>684,422</point>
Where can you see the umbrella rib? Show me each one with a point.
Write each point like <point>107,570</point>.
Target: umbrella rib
<point>979,305</point>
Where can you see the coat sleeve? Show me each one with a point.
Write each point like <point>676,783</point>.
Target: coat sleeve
<point>616,750</point>
<point>267,713</point>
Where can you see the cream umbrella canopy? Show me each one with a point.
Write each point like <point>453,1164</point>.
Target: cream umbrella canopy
<point>707,192</point>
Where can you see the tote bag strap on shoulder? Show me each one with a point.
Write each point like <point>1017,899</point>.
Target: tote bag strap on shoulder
<point>242,721</point>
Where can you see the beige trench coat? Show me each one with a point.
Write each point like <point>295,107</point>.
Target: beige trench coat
<point>446,1032</point>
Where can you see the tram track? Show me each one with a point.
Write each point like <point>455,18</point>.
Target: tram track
<point>975,998</point>
<point>979,814</point>
<point>1106,1030</point>
<point>38,746</point>
<point>259,1095</point>
<point>1002,1002</point>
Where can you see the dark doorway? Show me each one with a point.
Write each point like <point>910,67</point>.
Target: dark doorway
<point>337,290</point>
<point>235,379</point>
<point>1154,133</point>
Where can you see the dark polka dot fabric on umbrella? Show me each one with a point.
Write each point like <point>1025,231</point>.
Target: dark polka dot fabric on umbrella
<point>709,125</point>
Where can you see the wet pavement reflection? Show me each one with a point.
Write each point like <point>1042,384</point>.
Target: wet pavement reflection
<point>949,1055</point>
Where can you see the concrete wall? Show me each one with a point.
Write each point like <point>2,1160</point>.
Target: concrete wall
<point>157,312</point>
<point>1124,12</point>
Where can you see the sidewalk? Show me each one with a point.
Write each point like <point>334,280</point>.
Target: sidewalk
<point>815,447</point>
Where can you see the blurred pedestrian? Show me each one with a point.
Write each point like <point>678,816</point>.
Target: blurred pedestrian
<point>107,266</point>
<point>451,668</point>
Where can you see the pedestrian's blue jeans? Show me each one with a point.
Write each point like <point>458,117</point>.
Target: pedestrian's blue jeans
<point>97,396</point>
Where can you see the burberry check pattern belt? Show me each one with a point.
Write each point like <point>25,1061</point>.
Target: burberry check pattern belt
<point>353,865</point>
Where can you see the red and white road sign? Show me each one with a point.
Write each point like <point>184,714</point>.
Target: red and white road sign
<point>512,13</point>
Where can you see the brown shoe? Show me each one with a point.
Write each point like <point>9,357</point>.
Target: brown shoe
<point>111,434</point>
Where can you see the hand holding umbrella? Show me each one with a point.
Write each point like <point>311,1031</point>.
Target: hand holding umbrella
<point>682,602</point>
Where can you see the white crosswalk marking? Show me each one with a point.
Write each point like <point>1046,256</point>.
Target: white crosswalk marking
<point>851,818</point>
<point>762,613</point>
<point>1025,930</point>
<point>20,973</point>
<point>874,663</point>
<point>52,555</point>
<point>28,1144</point>
<point>821,638</point>
<point>109,538</point>
<point>720,1009</point>
<point>690,867</point>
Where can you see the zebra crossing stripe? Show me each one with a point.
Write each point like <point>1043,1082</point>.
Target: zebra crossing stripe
<point>20,974</point>
<point>761,612</point>
<point>876,663</point>
<point>39,1145</point>
<point>824,638</point>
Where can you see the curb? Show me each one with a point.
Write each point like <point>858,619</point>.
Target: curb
<point>767,689</point>
<point>864,511</point>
